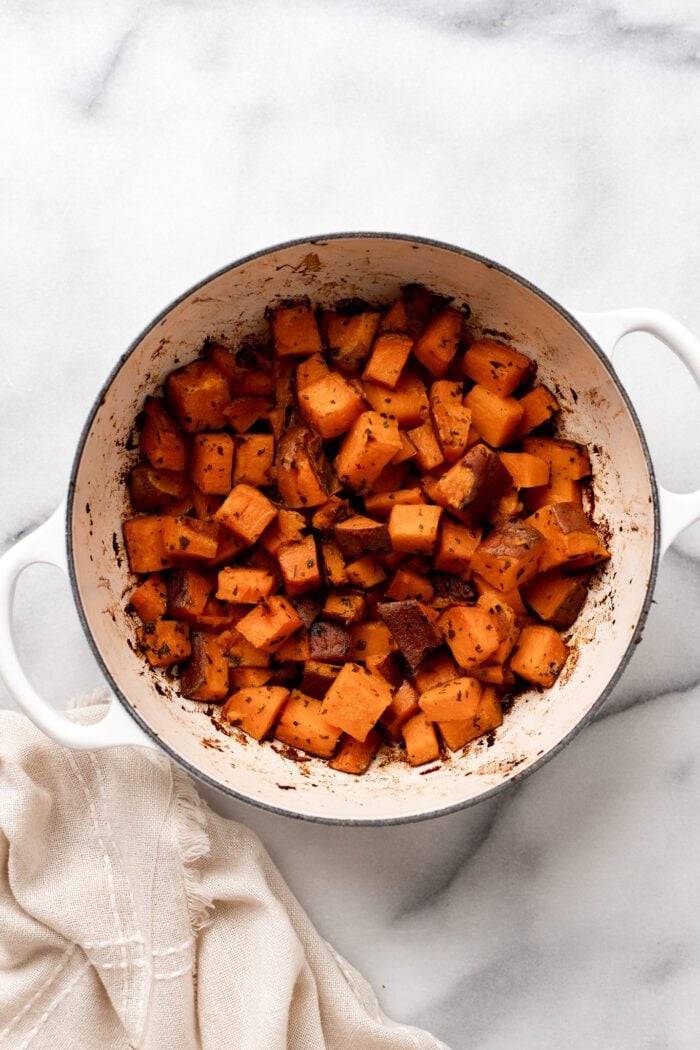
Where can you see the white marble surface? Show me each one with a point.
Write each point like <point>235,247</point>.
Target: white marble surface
<point>146,144</point>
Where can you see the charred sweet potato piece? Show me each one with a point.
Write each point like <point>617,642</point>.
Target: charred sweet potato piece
<point>450,418</point>
<point>244,585</point>
<point>164,642</point>
<point>355,700</point>
<point>456,699</point>
<point>390,666</point>
<point>450,589</point>
<point>407,402</point>
<point>255,456</point>
<point>294,330</point>
<point>487,717</point>
<point>509,556</point>
<point>495,366</point>
<point>496,418</point>
<point>470,488</point>
<point>197,396</point>
<point>411,628</point>
<point>333,510</point>
<point>390,353</point>
<point>331,405</point>
<point>246,513</point>
<point>408,584</point>
<point>255,709</point>
<point>329,643</point>
<point>145,546</point>
<point>421,740</point>
<point>346,607</point>
<point>414,529</point>
<point>162,442</point>
<point>539,655</point>
<point>368,447</point>
<point>557,599</point>
<point>538,405</point>
<point>372,638</point>
<point>437,344</point>
<point>205,675</point>
<point>270,623</point>
<point>188,539</point>
<point>150,599</point>
<point>211,463</point>
<point>308,608</point>
<point>188,593</point>
<point>300,566</point>
<point>365,572</point>
<point>404,704</point>
<point>570,539</point>
<point>150,487</point>
<point>526,470</point>
<point>304,477</point>
<point>409,311</point>
<point>302,725</point>
<point>359,535</point>
<point>349,338</point>
<point>355,756</point>
<point>470,633</point>
<point>317,677</point>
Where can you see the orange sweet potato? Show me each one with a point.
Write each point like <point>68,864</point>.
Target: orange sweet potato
<point>456,699</point>
<point>408,584</point>
<point>389,355</point>
<point>150,599</point>
<point>246,513</point>
<point>567,460</point>
<point>300,566</point>
<point>355,756</point>
<point>288,527</point>
<point>559,490</point>
<point>349,337</point>
<point>365,572</point>
<point>303,475</point>
<point>437,668</point>
<point>188,539</point>
<point>302,725</point>
<point>241,652</point>
<point>451,419</point>
<point>470,633</point>
<point>570,539</point>
<point>294,330</point>
<point>370,444</point>
<point>495,366</point>
<point>409,311</point>
<point>455,547</point>
<point>243,412</point>
<point>414,529</point>
<point>197,396</point>
<point>407,451</point>
<point>205,675</point>
<point>421,740</point>
<point>407,402</point>
<point>270,623</point>
<point>487,717</point>
<point>355,700</point>
<point>511,596</point>
<point>162,441</point>
<point>164,642</point>
<point>509,555</point>
<point>333,564</point>
<point>437,344</point>
<point>211,463</point>
<point>187,593</point>
<point>390,478</point>
<point>381,504</point>
<point>204,506</point>
<point>526,470</point>
<point>557,599</point>
<point>255,708</point>
<point>331,405</point>
<point>244,585</point>
<point>428,451</point>
<point>246,677</point>
<point>317,677</point>
<point>145,548</point>
<point>538,405</point>
<point>539,655</point>
<point>469,489</point>
<point>255,456</point>
<point>372,638</point>
<point>309,370</point>
<point>358,535</point>
<point>404,704</point>
<point>496,418</point>
<point>347,607</point>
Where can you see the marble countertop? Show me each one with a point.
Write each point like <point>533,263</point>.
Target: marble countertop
<point>146,144</point>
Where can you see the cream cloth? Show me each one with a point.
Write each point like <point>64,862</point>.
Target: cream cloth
<point>131,915</point>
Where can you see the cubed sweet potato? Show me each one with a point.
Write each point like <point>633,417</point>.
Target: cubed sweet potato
<point>526,470</point>
<point>538,405</point>
<point>409,584</point>
<point>150,599</point>
<point>296,650</point>
<point>162,441</point>
<point>568,460</point>
<point>205,675</point>
<point>331,405</point>
<point>450,589</point>
<point>329,642</point>
<point>188,539</point>
<point>496,418</point>
<point>164,642</point>
<point>437,668</point>
<point>247,677</point>
<point>557,599</point>
<point>204,506</point>
<point>288,527</point>
<point>437,344</point>
<point>255,709</point>
<point>539,655</point>
<point>150,487</point>
<point>509,555</point>
<point>246,513</point>
<point>512,596</point>
<point>372,638</point>
<point>270,623</point>
<point>409,311</point>
<point>317,677</point>
<point>451,419</point>
<point>559,490</point>
<point>211,463</point>
<point>421,740</point>
<point>242,412</point>
<point>358,535</point>
<point>381,504</point>
<point>495,366</point>
<point>407,451</point>
<point>241,652</point>
<point>349,337</point>
<point>407,402</point>
<point>455,547</point>
<point>333,564</point>
<point>390,353</point>
<point>390,478</point>
<point>428,451</point>
<point>309,370</point>
<point>470,633</point>
<point>294,330</point>
<point>355,700</point>
<point>456,699</point>
<point>244,585</point>
<point>404,704</point>
<point>370,444</point>
<point>355,756</point>
<point>470,488</point>
<point>302,725</point>
<point>300,566</point>
<point>333,510</point>
<point>346,607</point>
<point>197,396</point>
<point>411,629</point>
<point>255,456</point>
<point>304,477</point>
<point>570,539</point>
<point>365,572</point>
<point>188,593</point>
<point>488,716</point>
<point>414,529</point>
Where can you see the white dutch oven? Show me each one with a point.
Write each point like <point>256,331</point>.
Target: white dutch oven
<point>639,517</point>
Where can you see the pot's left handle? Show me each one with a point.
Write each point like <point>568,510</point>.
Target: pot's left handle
<point>47,544</point>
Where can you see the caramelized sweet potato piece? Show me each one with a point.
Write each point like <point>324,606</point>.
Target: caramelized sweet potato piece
<point>359,535</point>
<point>355,756</point>
<point>470,488</point>
<point>428,451</point>
<point>390,353</point>
<point>317,677</point>
<point>150,488</point>
<point>331,405</point>
<point>407,402</point>
<point>164,642</point>
<point>296,650</point>
<point>329,643</point>
<point>246,513</point>
<point>487,717</point>
<point>509,556</point>
<point>288,527</point>
<point>495,366</point>
<point>391,666</point>
<point>197,396</point>
<point>539,655</point>
<point>404,704</point>
<point>255,456</point>
<point>333,510</point>
<point>248,677</point>
<point>567,459</point>
<point>411,628</point>
<point>211,463</point>
<point>414,529</point>
<point>205,675</point>
<point>150,599</point>
<point>189,539</point>
<point>294,330</point>
<point>308,608</point>
<point>300,566</point>
<point>368,447</point>
<point>570,539</point>
<point>409,584</point>
<point>242,412</point>
<point>204,506</point>
<point>162,442</point>
<point>511,597</point>
<point>456,699</point>
<point>496,418</point>
<point>349,338</point>
<point>560,490</point>
<point>372,638</point>
<point>421,740</point>
<point>241,652</point>
<point>355,700</point>
<point>304,478</point>
<point>346,607</point>
<point>451,419</point>
<point>270,623</point>
<point>244,585</point>
<point>437,668</point>
<point>188,593</point>
<point>450,589</point>
<point>255,709</point>
<point>409,311</point>
<point>539,405</point>
<point>437,344</point>
<point>145,547</point>
<point>381,504</point>
<point>526,470</point>
<point>365,572</point>
<point>470,633</point>
<point>333,564</point>
<point>557,599</point>
<point>302,725</point>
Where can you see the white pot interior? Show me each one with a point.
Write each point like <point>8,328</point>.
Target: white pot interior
<point>230,306</point>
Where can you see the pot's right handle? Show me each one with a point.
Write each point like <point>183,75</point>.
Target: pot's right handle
<point>678,510</point>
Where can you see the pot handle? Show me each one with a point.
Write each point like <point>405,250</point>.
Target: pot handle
<point>678,510</point>
<point>47,545</point>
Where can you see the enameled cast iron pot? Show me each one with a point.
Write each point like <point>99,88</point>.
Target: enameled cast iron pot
<point>639,517</point>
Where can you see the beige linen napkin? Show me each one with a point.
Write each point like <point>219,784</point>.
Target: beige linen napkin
<point>131,915</point>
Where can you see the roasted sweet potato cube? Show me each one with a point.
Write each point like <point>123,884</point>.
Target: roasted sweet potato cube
<point>526,470</point>
<point>211,463</point>
<point>150,599</point>
<point>333,510</point>
<point>421,740</point>
<point>355,700</point>
<point>242,412</point>
<point>409,584</point>
<point>359,535</point>
<point>331,405</point>
<point>559,490</point>
<point>240,652</point>
<point>470,633</point>
<point>346,607</point>
<point>162,441</point>
<point>390,353</point>
<point>270,623</point>
<point>390,666</point>
<point>495,366</point>
<point>302,725</point>
<point>227,548</point>
<point>164,642</point>
<point>509,555</point>
<point>216,616</point>
<point>567,460</point>
<point>539,405</point>
<point>300,566</point>
<point>367,448</point>
<point>437,668</point>
<point>188,593</point>
<point>246,513</point>
<point>428,451</point>
<point>328,642</point>
<point>255,709</point>
<point>288,527</point>
<point>488,716</point>
<point>557,599</point>
<point>456,699</point>
<point>309,370</point>
<point>511,597</point>
<point>204,506</point>
<point>317,677</point>
<point>389,479</point>
<point>506,508</point>
<point>151,487</point>
<point>406,452</point>
<point>365,572</point>
<point>414,529</point>
<point>355,756</point>
<point>450,589</point>
<point>437,344</point>
<point>241,584</point>
<point>255,456</point>
<point>247,677</point>
<point>294,330</point>
<point>496,418</point>
<point>197,396</point>
<point>407,402</point>
<point>308,608</point>
<point>145,546</point>
<point>409,311</point>
<point>381,504</point>
<point>349,338</point>
<point>539,655</point>
<point>333,564</point>
<point>404,704</point>
<point>506,625</point>
<point>411,629</point>
<point>189,539</point>
<point>455,547</point>
<point>205,675</point>
<point>296,650</point>
<point>372,638</point>
<point>570,539</point>
<point>470,488</point>
<point>450,418</point>
<point>304,477</point>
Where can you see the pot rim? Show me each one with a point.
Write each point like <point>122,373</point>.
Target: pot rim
<point>442,811</point>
